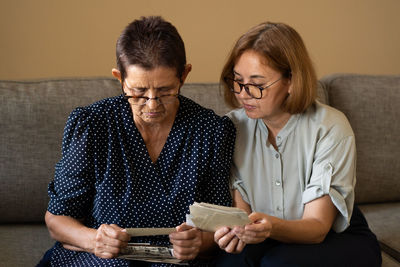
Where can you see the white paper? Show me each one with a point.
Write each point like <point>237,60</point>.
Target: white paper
<point>209,217</point>
<point>150,253</point>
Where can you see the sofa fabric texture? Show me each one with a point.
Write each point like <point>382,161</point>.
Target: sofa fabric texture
<point>372,105</point>
<point>33,115</point>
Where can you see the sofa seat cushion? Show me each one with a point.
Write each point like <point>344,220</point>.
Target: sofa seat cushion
<point>23,244</point>
<point>388,261</point>
<point>384,221</point>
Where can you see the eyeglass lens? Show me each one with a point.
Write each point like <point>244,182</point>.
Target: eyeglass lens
<point>164,99</point>
<point>251,90</point>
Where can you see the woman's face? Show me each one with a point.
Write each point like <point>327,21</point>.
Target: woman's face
<point>152,83</point>
<point>253,68</point>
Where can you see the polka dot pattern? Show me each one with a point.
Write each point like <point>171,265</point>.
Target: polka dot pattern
<point>106,174</point>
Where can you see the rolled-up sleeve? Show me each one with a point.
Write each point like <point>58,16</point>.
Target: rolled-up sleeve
<point>71,191</point>
<point>334,174</point>
<point>236,183</point>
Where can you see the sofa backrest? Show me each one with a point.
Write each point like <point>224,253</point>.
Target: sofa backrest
<point>372,105</point>
<point>32,119</point>
<point>33,116</point>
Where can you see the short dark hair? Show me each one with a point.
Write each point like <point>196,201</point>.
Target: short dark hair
<point>150,42</point>
<point>285,52</point>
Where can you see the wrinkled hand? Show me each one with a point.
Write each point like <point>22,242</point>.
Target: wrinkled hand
<point>228,241</point>
<point>186,242</point>
<point>109,241</point>
<point>255,232</point>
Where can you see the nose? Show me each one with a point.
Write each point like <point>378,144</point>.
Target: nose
<point>153,102</point>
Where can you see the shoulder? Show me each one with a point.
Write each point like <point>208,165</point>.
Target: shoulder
<point>95,113</point>
<point>99,108</point>
<point>105,106</point>
<point>199,116</point>
<point>242,123</point>
<point>327,121</point>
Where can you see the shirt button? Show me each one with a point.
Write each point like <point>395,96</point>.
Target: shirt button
<point>278,208</point>
<point>277,183</point>
<point>278,137</point>
<point>328,167</point>
<point>277,155</point>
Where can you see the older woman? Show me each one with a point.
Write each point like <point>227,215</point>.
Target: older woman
<point>139,159</point>
<point>294,162</point>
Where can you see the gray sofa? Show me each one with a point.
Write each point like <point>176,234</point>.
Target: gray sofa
<point>33,114</point>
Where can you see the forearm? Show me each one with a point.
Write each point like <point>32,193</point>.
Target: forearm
<point>305,231</point>
<point>315,224</point>
<point>70,232</point>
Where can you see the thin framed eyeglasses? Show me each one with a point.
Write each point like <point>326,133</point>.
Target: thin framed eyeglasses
<point>143,100</point>
<point>253,90</point>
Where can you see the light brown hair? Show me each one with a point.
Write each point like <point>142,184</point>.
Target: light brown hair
<point>285,52</point>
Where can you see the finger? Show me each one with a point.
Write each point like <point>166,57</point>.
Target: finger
<point>253,237</point>
<point>183,227</point>
<point>256,217</point>
<point>184,253</point>
<point>118,232</point>
<point>224,241</point>
<point>106,244</point>
<point>186,249</point>
<point>238,230</point>
<point>240,246</point>
<point>188,234</point>
<point>107,236</point>
<point>220,233</point>
<point>231,246</point>
<point>187,239</point>
<point>104,251</point>
<point>104,255</point>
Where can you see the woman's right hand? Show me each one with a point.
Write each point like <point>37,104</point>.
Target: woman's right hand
<point>257,231</point>
<point>109,240</point>
<point>228,241</point>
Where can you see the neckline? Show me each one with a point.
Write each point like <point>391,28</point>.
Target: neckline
<point>141,141</point>
<point>286,129</point>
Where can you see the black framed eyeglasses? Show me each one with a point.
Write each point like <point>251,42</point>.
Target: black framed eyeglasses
<point>143,100</point>
<point>253,90</point>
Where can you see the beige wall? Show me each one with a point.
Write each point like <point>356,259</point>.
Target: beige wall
<point>64,38</point>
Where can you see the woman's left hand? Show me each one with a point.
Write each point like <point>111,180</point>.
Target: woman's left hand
<point>228,241</point>
<point>186,242</point>
<point>255,232</point>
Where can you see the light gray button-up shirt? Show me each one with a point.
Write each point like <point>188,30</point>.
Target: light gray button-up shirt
<point>316,156</point>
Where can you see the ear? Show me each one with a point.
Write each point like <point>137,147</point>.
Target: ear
<point>290,85</point>
<point>185,73</point>
<point>117,74</point>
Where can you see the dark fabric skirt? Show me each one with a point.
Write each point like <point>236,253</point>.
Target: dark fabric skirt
<point>356,246</point>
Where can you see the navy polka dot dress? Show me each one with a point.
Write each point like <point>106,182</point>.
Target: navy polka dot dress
<point>106,174</point>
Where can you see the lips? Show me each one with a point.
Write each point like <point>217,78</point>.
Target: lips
<point>152,114</point>
<point>248,107</point>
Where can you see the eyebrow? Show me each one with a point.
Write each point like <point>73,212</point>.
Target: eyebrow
<point>256,76</point>
<point>146,88</point>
